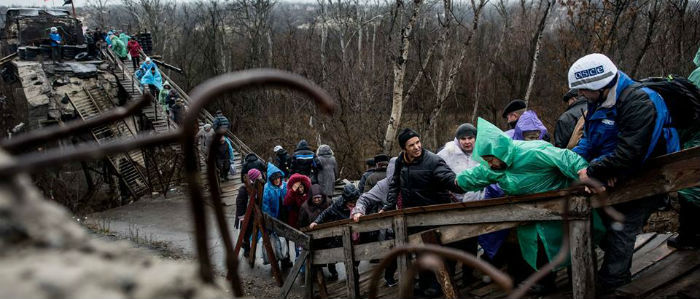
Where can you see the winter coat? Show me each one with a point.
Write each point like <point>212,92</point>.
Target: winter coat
<point>695,75</point>
<point>283,161</point>
<point>134,48</point>
<point>375,198</point>
<point>309,211</point>
<point>305,161</point>
<point>55,39</point>
<point>204,138</point>
<point>337,211</point>
<point>567,122</point>
<point>328,170</point>
<point>363,180</point>
<point>273,196</point>
<point>251,161</point>
<point>373,178</point>
<point>422,182</point>
<point>178,111</point>
<point>529,122</point>
<point>221,121</point>
<point>621,133</point>
<point>294,200</point>
<point>460,161</point>
<point>222,151</point>
<point>231,155</point>
<point>118,47</point>
<point>108,38</point>
<point>152,79</point>
<point>532,167</point>
<point>241,201</point>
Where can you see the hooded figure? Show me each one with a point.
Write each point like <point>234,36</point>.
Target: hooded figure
<point>273,195</point>
<point>328,170</point>
<point>148,64</point>
<point>526,168</point>
<point>695,75</point>
<point>310,209</point>
<point>305,161</point>
<point>341,207</point>
<point>118,47</point>
<point>528,123</point>
<point>108,38</point>
<point>153,78</point>
<point>295,198</point>
<point>163,95</point>
<point>124,38</point>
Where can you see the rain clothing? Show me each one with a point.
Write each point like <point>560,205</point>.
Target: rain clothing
<point>529,122</point>
<point>625,130</point>
<point>154,79</point>
<point>273,196</point>
<point>124,38</point>
<point>118,47</point>
<point>305,161</point>
<point>328,170</point>
<point>163,94</point>
<point>425,181</point>
<point>532,167</point>
<point>293,200</point>
<point>146,66</point>
<point>695,75</point>
<point>108,38</point>
<point>567,122</point>
<point>459,161</point>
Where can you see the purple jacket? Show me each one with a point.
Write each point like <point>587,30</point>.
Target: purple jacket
<point>528,122</point>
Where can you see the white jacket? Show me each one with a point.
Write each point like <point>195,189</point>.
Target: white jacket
<point>459,161</point>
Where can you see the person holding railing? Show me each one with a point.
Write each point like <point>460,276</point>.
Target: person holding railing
<point>135,52</point>
<point>118,47</point>
<point>153,80</point>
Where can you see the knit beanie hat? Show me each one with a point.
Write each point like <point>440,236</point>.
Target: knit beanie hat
<point>254,174</point>
<point>405,135</point>
<point>350,193</point>
<point>464,130</point>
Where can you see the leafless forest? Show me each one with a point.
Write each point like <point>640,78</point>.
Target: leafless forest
<point>425,64</point>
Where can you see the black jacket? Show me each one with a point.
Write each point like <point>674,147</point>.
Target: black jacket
<point>363,180</point>
<point>377,175</point>
<point>636,119</point>
<point>283,161</point>
<point>567,122</point>
<point>305,162</point>
<point>252,161</point>
<point>425,181</point>
<point>337,211</point>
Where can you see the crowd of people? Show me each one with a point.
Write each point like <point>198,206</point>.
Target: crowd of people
<point>612,126</point>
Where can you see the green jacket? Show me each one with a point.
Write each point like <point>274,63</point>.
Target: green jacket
<point>532,167</point>
<point>118,47</point>
<point>695,75</point>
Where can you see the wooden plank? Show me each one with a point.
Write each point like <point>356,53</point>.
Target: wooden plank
<point>286,231</point>
<point>642,239</point>
<point>668,269</point>
<point>443,277</point>
<point>400,238</point>
<point>657,241</point>
<point>358,227</point>
<point>308,279</point>
<point>378,249</point>
<point>582,265</point>
<point>643,261</point>
<point>289,282</point>
<point>350,273</point>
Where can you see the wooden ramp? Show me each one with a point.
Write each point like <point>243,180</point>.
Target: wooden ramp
<point>658,271</point>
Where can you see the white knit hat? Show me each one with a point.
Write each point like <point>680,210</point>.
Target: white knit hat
<point>593,72</point>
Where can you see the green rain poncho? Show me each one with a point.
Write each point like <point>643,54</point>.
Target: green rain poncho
<point>118,47</point>
<point>695,75</point>
<point>124,38</point>
<point>533,167</point>
<point>690,137</point>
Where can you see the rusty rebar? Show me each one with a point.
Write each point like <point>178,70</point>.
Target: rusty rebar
<point>500,278</point>
<point>215,193</point>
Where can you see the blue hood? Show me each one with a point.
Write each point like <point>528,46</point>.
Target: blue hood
<point>271,169</point>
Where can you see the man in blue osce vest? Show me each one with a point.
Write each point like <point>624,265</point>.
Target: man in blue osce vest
<point>625,126</point>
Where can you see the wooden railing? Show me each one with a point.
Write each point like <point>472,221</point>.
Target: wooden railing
<point>459,221</point>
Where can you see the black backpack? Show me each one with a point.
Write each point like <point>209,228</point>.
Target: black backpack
<point>681,96</point>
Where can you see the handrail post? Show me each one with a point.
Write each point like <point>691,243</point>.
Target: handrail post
<point>582,264</point>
